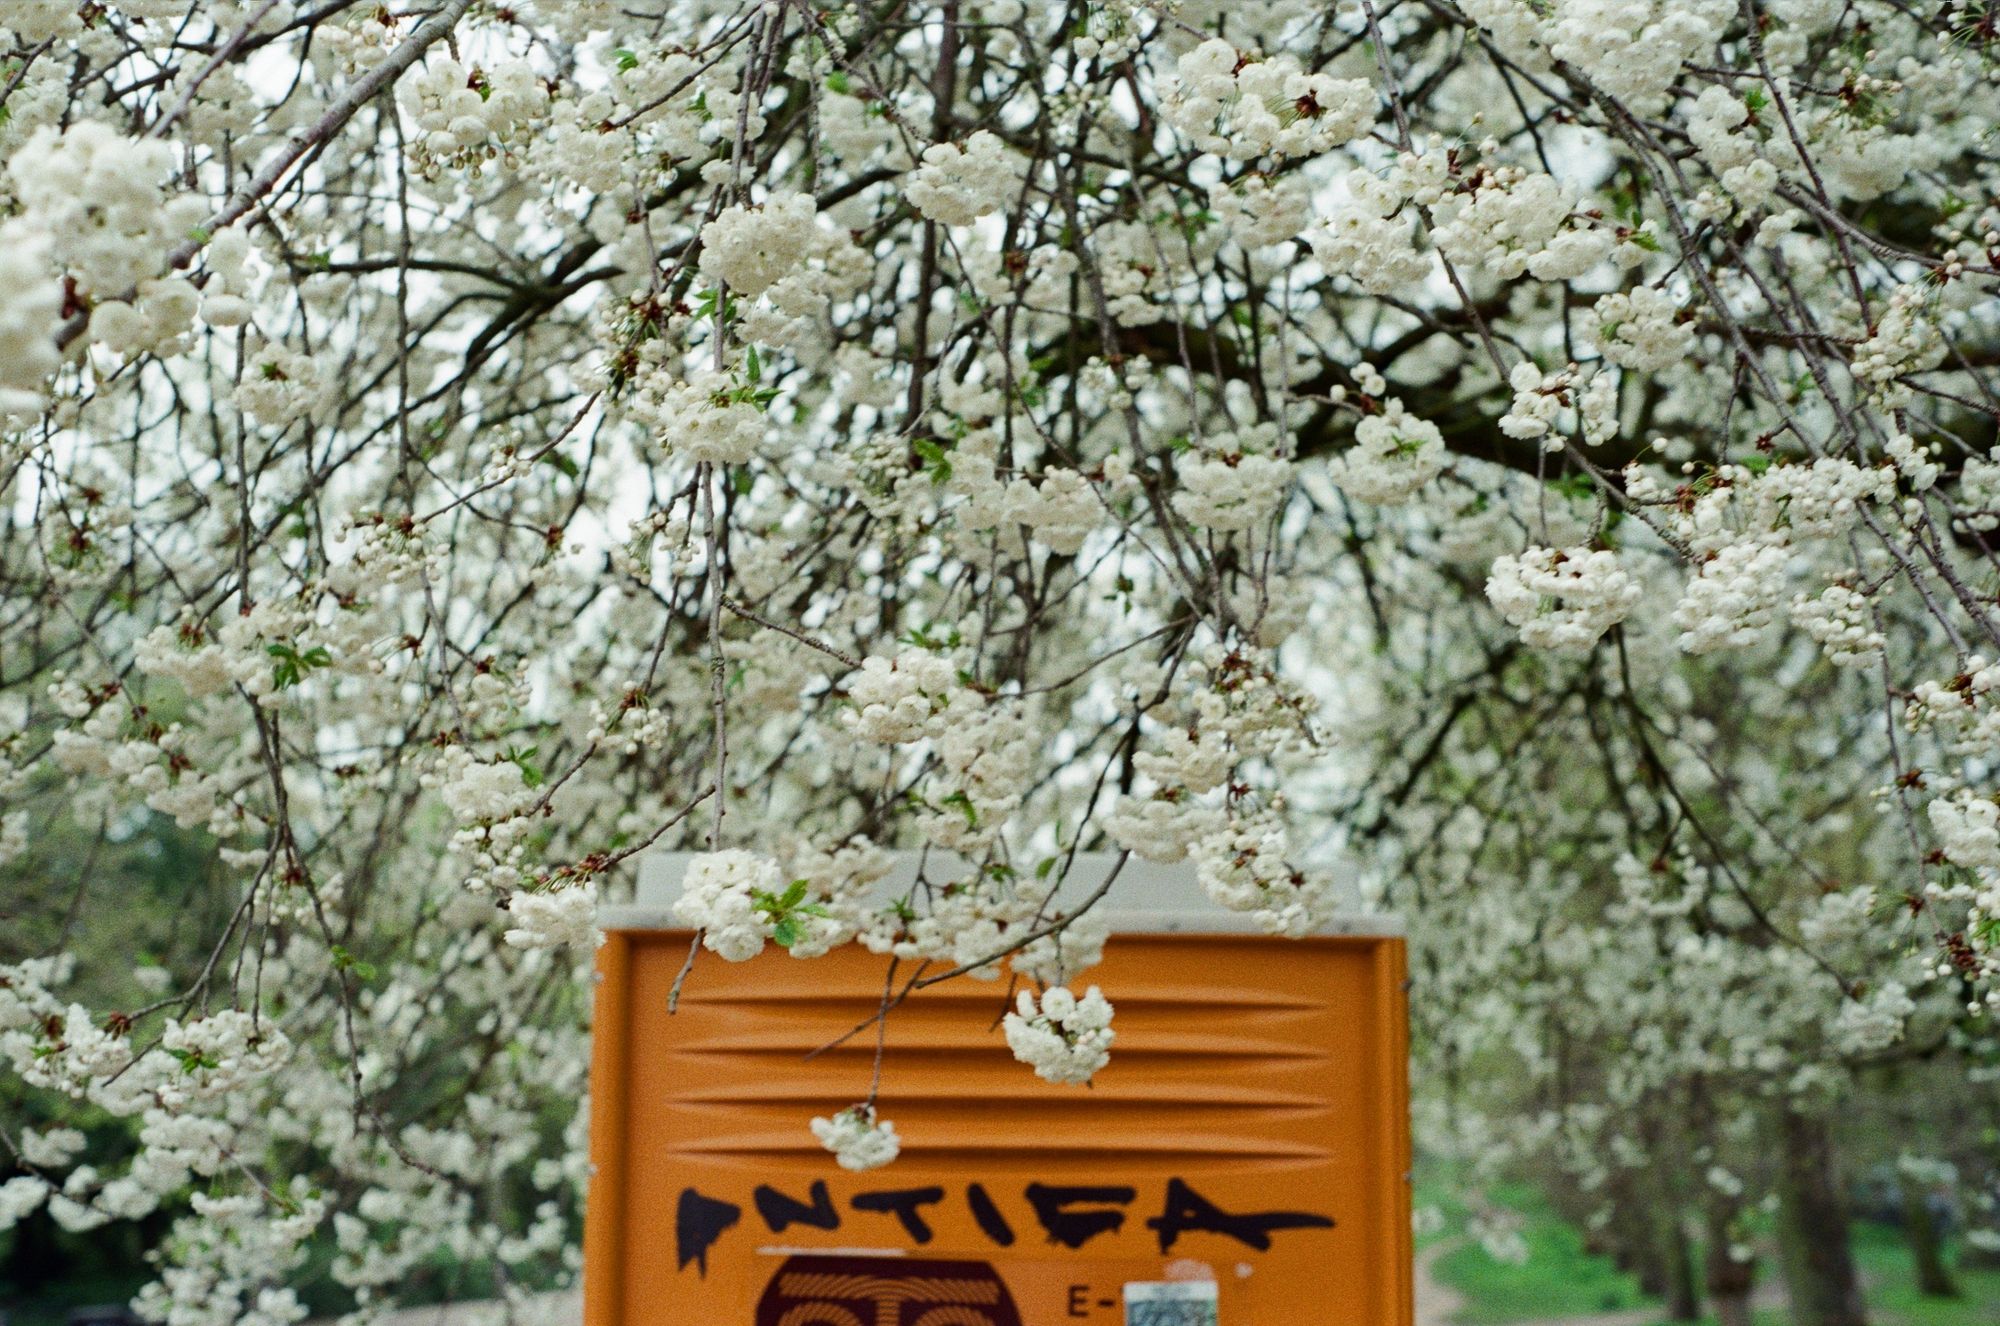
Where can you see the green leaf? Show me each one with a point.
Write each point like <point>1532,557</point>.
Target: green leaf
<point>522,760</point>
<point>934,458</point>
<point>1576,487</point>
<point>345,961</point>
<point>292,666</point>
<point>193,1061</point>
<point>920,637</point>
<point>965,807</point>
<point>626,59</point>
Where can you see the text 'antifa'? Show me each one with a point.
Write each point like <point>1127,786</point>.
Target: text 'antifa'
<point>1070,1215</point>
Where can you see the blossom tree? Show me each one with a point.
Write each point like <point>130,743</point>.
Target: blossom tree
<point>1528,463</point>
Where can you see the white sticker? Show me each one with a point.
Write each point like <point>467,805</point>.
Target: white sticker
<point>1170,1303</point>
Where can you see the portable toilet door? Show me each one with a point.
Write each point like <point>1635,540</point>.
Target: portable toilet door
<point>1242,1161</point>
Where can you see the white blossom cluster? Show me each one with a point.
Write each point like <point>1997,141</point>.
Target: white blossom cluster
<point>1734,598</point>
<point>956,186</point>
<point>1063,1037</point>
<point>1368,237</point>
<point>719,898</point>
<point>857,1139</point>
<point>1231,489</point>
<point>32,307</point>
<point>1875,1021</point>
<point>1546,405</point>
<point>553,919</point>
<point>1968,829</point>
<point>1641,328</point>
<point>914,695</point>
<point>1633,49</point>
<point>1394,455</point>
<point>1841,619</point>
<point>92,225</point>
<point>465,115</point>
<point>1511,222</point>
<point>1904,341</point>
<point>708,417</point>
<point>1058,512</point>
<point>1243,108</point>
<point>1562,599</point>
<point>751,249</point>
<point>782,255</point>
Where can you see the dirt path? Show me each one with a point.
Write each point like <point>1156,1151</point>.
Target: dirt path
<point>1437,1304</point>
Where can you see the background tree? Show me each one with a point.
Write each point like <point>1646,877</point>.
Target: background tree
<point>1526,463</point>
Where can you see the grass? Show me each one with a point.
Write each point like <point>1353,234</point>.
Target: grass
<point>1892,1290</point>
<point>1560,1279</point>
<point>51,1307</point>
<point>1889,1282</point>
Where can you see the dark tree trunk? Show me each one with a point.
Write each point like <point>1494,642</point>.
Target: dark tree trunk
<point>1643,1260</point>
<point>1926,1248</point>
<point>1683,1291</point>
<point>1636,1250</point>
<point>1729,1282</point>
<point>1813,1227</point>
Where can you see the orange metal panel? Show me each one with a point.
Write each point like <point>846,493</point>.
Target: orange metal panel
<point>1252,1128</point>
<point>610,1059</point>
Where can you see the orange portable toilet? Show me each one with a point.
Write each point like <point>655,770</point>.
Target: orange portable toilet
<point>1243,1160</point>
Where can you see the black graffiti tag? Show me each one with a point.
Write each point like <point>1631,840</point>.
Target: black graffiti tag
<point>904,1204</point>
<point>698,1223</point>
<point>1073,1229</point>
<point>1187,1210</point>
<point>991,1222</point>
<point>781,1212</point>
<point>1071,1215</point>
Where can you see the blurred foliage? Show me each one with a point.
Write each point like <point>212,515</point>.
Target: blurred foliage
<point>1562,1278</point>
